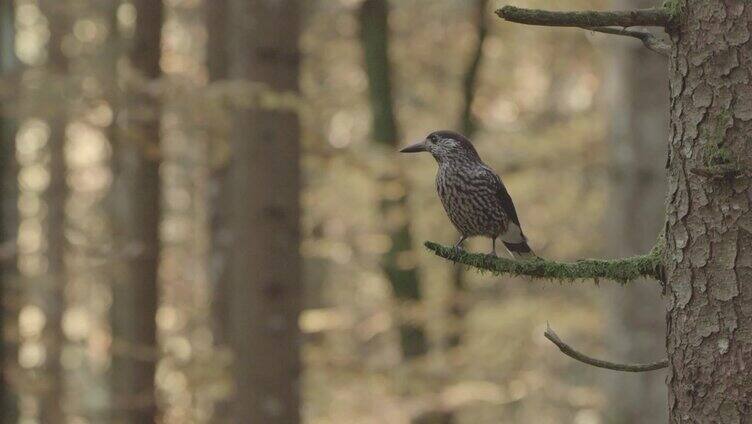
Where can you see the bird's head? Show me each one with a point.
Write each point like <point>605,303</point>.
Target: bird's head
<point>445,146</point>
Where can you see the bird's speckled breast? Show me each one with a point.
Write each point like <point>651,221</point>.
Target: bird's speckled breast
<point>470,198</point>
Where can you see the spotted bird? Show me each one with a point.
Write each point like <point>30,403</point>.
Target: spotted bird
<point>473,196</point>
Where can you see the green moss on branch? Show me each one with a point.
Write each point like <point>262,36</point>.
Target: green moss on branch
<point>674,7</point>
<point>619,270</point>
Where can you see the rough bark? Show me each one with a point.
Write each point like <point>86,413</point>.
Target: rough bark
<point>639,126</point>
<point>709,221</point>
<point>136,193</point>
<point>264,263</point>
<point>403,278</point>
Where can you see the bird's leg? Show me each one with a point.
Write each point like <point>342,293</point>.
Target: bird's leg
<point>493,247</point>
<point>458,245</point>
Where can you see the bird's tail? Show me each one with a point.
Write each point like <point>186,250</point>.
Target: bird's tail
<point>521,250</point>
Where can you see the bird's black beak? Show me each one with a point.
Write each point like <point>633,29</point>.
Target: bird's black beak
<point>414,148</point>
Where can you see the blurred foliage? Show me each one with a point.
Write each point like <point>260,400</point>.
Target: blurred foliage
<point>540,124</point>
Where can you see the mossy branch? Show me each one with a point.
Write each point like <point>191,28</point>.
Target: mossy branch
<point>619,270</point>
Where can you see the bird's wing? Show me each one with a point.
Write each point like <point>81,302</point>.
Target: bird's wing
<point>503,195</point>
<point>513,238</point>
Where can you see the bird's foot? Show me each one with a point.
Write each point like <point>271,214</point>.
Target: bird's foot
<point>458,245</point>
<point>493,253</point>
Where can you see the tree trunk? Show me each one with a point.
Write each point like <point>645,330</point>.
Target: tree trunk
<point>402,275</point>
<point>264,262</point>
<point>635,218</point>
<point>8,272</point>
<point>136,194</point>
<point>220,231</point>
<point>216,22</point>
<point>51,296</point>
<point>8,216</point>
<point>8,229</point>
<point>709,220</point>
<point>217,42</point>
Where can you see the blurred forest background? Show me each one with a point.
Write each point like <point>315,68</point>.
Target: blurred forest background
<point>204,217</point>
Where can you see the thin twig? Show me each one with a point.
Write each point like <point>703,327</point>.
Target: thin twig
<point>572,353</point>
<point>586,18</point>
<point>649,40</point>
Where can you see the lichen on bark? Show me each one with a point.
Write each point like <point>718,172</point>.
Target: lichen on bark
<point>674,7</point>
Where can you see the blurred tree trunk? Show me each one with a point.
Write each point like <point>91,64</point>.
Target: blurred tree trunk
<point>8,283</point>
<point>8,218</point>
<point>216,58</point>
<point>264,180</point>
<point>136,214</point>
<point>398,267</point>
<point>639,127</point>
<point>217,41</point>
<point>52,293</point>
<point>220,233</point>
<point>468,127</point>
<point>8,230</point>
<point>216,23</point>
